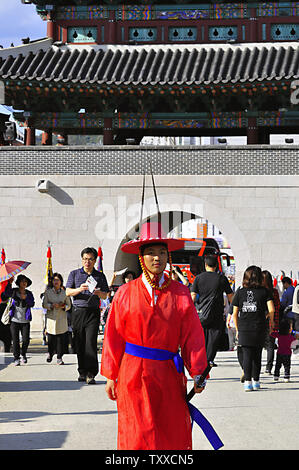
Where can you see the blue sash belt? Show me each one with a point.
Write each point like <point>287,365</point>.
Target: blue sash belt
<point>164,355</point>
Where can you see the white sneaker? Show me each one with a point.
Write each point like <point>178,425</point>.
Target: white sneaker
<point>255,385</point>
<point>248,386</point>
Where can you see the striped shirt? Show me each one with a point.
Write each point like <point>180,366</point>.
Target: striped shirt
<point>78,277</point>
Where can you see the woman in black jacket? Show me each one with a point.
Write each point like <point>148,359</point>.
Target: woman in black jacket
<point>20,315</point>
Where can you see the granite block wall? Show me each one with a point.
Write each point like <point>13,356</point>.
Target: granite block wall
<point>250,193</point>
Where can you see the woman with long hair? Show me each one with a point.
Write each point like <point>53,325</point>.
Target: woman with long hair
<point>270,340</point>
<point>251,303</point>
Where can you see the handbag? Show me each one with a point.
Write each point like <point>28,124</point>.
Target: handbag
<point>206,313</point>
<point>5,319</point>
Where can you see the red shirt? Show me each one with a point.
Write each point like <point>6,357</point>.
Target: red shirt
<point>284,343</point>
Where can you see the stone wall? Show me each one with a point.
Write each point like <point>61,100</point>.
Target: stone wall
<point>130,160</point>
<point>250,193</point>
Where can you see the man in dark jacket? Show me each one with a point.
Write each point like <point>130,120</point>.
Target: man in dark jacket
<point>286,300</point>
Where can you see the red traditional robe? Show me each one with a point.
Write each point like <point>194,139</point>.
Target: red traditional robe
<point>151,394</point>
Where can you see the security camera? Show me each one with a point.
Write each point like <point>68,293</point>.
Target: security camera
<point>42,186</point>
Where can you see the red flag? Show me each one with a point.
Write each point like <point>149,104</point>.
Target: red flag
<point>100,260</point>
<point>4,283</point>
<point>49,268</point>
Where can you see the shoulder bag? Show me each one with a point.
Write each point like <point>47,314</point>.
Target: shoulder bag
<point>5,319</point>
<point>206,312</point>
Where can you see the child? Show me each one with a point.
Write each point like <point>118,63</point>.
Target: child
<point>285,338</point>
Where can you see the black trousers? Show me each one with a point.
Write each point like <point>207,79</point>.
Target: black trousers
<point>285,360</point>
<point>56,344</point>
<point>252,360</point>
<point>270,346</point>
<point>15,329</point>
<point>212,340</point>
<point>85,324</point>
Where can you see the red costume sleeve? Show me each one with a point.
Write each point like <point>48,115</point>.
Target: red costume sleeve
<point>192,339</point>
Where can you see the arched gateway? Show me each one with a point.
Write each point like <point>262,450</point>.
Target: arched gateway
<point>174,210</point>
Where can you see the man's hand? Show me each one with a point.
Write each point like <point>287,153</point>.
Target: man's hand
<point>83,287</point>
<point>198,389</point>
<point>111,389</point>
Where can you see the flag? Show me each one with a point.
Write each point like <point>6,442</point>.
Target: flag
<point>4,283</point>
<point>100,259</point>
<point>3,256</point>
<point>49,269</point>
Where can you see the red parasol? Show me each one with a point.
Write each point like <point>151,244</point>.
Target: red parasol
<point>11,268</point>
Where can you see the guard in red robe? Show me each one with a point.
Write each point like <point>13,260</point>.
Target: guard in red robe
<point>151,319</point>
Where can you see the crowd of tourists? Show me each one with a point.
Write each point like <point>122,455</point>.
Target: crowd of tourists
<point>251,319</point>
<point>152,318</point>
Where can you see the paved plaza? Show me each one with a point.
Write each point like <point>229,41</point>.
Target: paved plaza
<point>43,406</point>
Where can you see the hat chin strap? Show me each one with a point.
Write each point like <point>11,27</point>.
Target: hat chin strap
<point>154,283</point>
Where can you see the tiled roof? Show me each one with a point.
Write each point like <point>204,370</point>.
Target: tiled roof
<point>152,64</point>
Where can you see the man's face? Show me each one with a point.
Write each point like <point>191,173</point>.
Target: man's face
<point>155,258</point>
<point>88,261</point>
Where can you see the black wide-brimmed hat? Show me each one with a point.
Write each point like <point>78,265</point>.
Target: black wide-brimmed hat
<point>22,277</point>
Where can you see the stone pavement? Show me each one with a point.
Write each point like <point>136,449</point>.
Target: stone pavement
<point>43,406</point>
